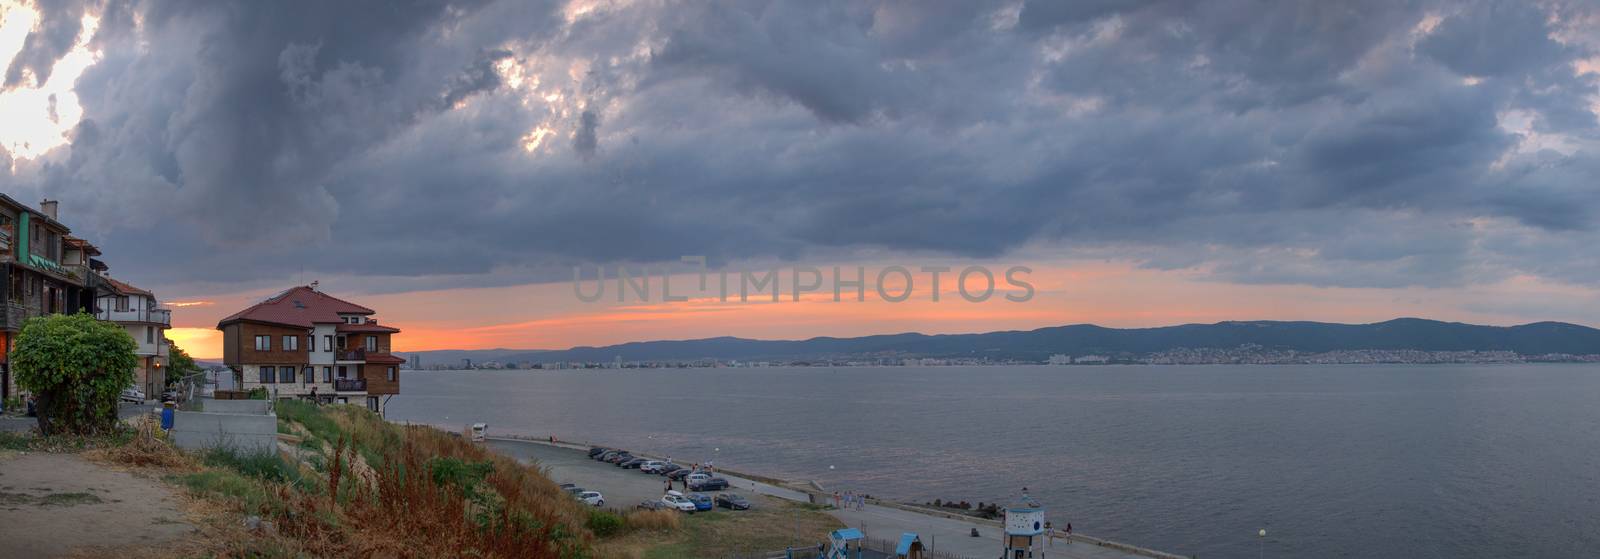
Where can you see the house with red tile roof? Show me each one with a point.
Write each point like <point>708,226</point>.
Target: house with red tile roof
<point>303,343</point>
<point>137,311</point>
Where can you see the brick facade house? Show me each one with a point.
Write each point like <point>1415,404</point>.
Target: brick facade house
<point>303,343</point>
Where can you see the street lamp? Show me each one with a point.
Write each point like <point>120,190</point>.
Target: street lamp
<point>1261,550</point>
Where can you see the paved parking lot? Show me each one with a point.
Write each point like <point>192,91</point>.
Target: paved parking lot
<point>622,488</point>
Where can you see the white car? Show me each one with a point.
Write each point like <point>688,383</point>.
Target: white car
<point>652,466</point>
<point>592,498</point>
<point>697,477</point>
<point>676,501</point>
<point>132,395</point>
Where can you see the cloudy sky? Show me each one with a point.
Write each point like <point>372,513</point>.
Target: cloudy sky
<point>1154,161</point>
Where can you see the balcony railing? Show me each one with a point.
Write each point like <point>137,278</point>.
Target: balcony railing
<point>157,316</point>
<point>350,355</point>
<point>350,385</point>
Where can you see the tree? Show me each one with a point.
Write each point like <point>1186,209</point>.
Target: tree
<point>76,367</point>
<point>179,365</point>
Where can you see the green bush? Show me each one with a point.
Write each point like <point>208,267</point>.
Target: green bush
<point>77,367</point>
<point>603,523</point>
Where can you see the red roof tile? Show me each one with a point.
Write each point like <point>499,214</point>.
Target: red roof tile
<point>299,306</point>
<point>125,289</point>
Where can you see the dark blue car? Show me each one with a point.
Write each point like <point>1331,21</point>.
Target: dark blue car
<point>701,501</point>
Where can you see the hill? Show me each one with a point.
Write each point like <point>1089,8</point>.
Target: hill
<point>1085,339</point>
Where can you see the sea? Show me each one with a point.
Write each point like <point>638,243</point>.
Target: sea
<point>1332,461</point>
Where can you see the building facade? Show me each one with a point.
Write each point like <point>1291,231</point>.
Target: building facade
<point>303,343</point>
<point>45,271</point>
<point>136,310</point>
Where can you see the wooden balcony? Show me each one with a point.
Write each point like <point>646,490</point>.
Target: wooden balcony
<point>350,385</point>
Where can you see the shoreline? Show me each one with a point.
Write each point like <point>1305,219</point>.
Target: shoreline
<point>810,492</point>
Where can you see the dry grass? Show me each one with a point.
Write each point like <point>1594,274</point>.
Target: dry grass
<point>772,525</point>
<point>147,448</point>
<point>652,520</point>
<point>396,491</point>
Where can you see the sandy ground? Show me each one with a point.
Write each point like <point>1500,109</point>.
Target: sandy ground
<point>53,503</point>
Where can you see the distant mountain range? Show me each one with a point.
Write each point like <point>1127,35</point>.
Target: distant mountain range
<point>1084,339</point>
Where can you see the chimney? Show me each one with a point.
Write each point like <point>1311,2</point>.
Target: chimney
<point>48,207</point>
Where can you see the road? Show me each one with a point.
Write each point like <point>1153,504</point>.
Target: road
<point>625,488</point>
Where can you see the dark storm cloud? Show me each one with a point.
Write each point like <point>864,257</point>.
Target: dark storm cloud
<point>1374,144</point>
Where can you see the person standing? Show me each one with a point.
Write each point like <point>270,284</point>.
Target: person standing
<point>836,500</point>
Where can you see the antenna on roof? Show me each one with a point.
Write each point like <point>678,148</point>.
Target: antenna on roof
<point>313,285</point>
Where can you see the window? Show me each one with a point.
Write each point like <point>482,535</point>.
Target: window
<point>372,403</point>
<point>309,377</point>
<point>311,342</point>
<point>391,374</point>
<point>291,343</point>
<point>267,375</point>
<point>327,374</point>
<point>327,343</point>
<point>16,286</point>
<point>149,335</point>
<point>263,343</point>
<point>341,371</point>
<point>286,375</point>
<point>372,343</point>
<point>122,303</point>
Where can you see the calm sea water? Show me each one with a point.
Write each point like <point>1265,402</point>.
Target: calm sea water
<point>1334,461</point>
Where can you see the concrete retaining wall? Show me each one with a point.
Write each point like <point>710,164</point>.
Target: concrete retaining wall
<point>254,407</point>
<point>246,433</point>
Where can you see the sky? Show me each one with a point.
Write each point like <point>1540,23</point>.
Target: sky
<point>1151,161</point>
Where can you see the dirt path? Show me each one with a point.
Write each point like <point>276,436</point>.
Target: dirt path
<point>53,503</point>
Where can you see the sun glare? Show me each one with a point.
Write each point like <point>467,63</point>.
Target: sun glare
<point>38,116</point>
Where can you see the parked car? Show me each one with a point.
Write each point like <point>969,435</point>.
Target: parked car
<point>676,501</point>
<point>701,501</point>
<point>597,450</point>
<point>566,486</point>
<point>679,474</point>
<point>651,466</point>
<point>609,454</point>
<point>697,477</point>
<point>633,463</point>
<point>652,505</point>
<point>668,468</point>
<point>712,484</point>
<point>592,498</point>
<point>132,395</point>
<point>575,490</point>
<point>732,501</point>
<point>620,458</point>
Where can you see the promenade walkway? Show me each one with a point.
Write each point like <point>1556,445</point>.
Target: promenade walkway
<point>948,535</point>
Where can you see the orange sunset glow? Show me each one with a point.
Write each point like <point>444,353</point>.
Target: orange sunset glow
<point>549,316</point>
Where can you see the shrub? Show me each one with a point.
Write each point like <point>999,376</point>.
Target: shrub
<point>77,367</point>
<point>603,523</point>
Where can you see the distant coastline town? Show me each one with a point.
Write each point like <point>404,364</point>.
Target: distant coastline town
<point>1247,354</point>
